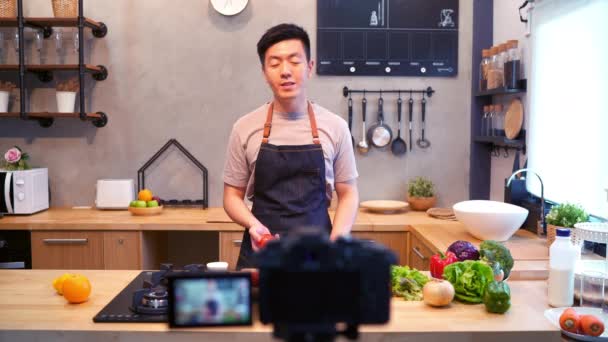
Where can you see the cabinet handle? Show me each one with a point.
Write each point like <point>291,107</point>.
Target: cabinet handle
<point>415,250</point>
<point>369,240</point>
<point>66,241</point>
<point>237,242</point>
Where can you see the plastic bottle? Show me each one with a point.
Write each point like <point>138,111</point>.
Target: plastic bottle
<point>562,260</point>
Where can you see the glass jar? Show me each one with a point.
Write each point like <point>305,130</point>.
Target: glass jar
<point>484,119</point>
<point>495,73</point>
<point>484,68</point>
<point>512,68</point>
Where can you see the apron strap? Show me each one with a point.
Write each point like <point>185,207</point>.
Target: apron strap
<point>311,117</point>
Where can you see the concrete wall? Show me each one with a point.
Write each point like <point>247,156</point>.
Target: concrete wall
<point>508,26</point>
<point>180,70</point>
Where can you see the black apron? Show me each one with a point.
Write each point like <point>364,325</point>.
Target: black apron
<point>289,189</point>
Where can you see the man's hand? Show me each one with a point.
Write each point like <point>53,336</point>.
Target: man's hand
<point>256,231</point>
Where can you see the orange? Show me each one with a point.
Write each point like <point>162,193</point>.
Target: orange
<point>58,282</point>
<point>76,288</point>
<point>145,195</point>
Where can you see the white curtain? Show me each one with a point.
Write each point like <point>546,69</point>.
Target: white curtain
<point>568,119</point>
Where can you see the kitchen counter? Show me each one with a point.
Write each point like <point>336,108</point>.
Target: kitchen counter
<point>32,311</point>
<point>529,251</point>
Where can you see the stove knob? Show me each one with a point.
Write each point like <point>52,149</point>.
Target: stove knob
<point>3,243</point>
<point>21,196</point>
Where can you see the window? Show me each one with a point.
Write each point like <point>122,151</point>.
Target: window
<point>568,121</point>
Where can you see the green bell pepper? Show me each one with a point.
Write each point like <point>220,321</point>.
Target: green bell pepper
<point>497,297</point>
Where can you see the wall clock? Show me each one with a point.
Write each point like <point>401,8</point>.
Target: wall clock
<point>229,7</point>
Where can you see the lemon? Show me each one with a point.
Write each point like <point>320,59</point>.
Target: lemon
<point>58,282</point>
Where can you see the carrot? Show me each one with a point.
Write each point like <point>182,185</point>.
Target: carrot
<point>569,321</point>
<point>591,325</point>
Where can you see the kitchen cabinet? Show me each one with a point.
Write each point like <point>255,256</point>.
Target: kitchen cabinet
<point>67,250</point>
<point>121,250</point>
<point>112,250</point>
<point>230,246</point>
<point>395,241</point>
<point>419,253</point>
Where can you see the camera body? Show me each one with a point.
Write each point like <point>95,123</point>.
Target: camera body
<point>307,281</point>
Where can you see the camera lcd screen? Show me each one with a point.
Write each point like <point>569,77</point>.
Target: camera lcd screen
<point>210,299</point>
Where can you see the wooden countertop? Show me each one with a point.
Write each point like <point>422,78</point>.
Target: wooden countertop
<point>529,251</point>
<point>31,310</point>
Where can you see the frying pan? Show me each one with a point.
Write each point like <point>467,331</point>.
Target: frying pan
<point>380,134</point>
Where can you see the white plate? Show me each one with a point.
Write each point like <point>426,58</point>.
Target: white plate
<point>384,206</point>
<point>553,316</point>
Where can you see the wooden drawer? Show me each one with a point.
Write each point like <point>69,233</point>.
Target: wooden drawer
<point>230,246</point>
<point>67,250</point>
<point>420,254</point>
<point>121,250</point>
<point>395,241</point>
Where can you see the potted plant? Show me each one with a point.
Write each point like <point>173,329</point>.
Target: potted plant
<point>421,194</point>
<point>66,95</point>
<point>15,159</point>
<point>564,215</point>
<point>5,92</point>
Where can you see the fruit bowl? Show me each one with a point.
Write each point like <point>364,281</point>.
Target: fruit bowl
<point>147,211</point>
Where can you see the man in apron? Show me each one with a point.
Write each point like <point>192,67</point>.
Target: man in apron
<point>290,154</point>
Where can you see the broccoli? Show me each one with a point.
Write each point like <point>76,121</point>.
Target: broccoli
<point>493,252</point>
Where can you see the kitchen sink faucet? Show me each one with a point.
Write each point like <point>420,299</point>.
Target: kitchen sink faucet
<point>543,223</point>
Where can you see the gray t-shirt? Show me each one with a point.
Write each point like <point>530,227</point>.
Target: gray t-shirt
<point>289,129</point>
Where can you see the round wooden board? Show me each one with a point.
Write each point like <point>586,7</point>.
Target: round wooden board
<point>514,119</point>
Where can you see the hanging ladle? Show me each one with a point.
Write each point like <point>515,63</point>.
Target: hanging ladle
<point>363,147</point>
<point>422,142</point>
<point>398,147</point>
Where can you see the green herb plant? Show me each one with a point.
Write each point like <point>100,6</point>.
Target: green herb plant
<point>566,215</point>
<point>421,187</point>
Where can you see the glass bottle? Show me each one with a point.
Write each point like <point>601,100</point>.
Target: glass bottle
<point>512,65</point>
<point>484,117</point>
<point>562,260</point>
<point>484,68</point>
<point>499,127</point>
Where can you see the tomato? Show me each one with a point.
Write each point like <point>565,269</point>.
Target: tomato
<point>264,240</point>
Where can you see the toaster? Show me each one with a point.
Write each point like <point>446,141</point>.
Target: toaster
<point>114,193</point>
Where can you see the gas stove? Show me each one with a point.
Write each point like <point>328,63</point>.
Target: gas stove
<point>145,299</point>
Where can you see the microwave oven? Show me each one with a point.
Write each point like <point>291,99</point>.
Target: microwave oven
<point>24,192</point>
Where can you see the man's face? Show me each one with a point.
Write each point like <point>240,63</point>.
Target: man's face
<point>286,69</point>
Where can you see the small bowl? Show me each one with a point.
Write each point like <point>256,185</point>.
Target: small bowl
<point>217,266</point>
<point>148,211</point>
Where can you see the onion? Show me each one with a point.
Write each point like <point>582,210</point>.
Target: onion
<point>438,292</point>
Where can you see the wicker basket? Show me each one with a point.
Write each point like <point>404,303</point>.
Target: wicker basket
<point>552,231</point>
<point>8,8</point>
<point>65,8</point>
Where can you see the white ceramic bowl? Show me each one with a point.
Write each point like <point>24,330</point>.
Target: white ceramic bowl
<point>490,220</point>
<point>217,266</point>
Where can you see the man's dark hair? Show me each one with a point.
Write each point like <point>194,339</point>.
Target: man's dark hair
<point>280,33</point>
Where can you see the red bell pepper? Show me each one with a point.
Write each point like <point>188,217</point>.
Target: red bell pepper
<point>439,261</point>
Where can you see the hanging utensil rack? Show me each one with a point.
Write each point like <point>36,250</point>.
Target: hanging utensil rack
<point>428,91</point>
<point>45,72</point>
<point>141,176</point>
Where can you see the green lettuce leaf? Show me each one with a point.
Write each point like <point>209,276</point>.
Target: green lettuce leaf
<point>470,279</point>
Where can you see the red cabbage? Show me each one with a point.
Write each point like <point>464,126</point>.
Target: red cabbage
<point>464,250</point>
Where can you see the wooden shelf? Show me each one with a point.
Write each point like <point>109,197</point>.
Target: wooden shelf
<point>501,141</point>
<point>99,119</point>
<point>99,28</point>
<point>99,72</point>
<point>504,91</point>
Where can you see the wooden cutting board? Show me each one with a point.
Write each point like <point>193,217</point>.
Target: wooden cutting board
<point>514,119</point>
